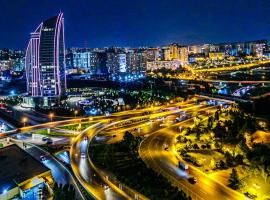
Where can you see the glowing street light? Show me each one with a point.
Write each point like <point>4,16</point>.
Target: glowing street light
<point>51,115</point>
<point>75,113</point>
<point>24,120</point>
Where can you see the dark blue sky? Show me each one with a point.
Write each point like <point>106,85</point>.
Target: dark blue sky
<point>99,23</point>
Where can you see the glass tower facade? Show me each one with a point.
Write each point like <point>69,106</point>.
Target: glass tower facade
<point>45,59</point>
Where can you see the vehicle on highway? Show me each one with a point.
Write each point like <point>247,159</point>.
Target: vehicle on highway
<point>44,139</point>
<point>192,180</point>
<point>2,126</point>
<point>166,147</point>
<point>182,166</point>
<point>107,113</point>
<point>49,141</point>
<point>250,196</point>
<point>83,155</point>
<point>42,158</point>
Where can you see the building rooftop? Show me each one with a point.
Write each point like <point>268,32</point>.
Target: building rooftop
<point>17,166</point>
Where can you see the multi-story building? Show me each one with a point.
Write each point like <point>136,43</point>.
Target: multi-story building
<point>140,61</point>
<point>100,62</point>
<point>176,52</point>
<point>45,61</point>
<point>11,60</point>
<point>171,52</point>
<point>116,61</point>
<point>82,60</point>
<point>183,55</point>
<point>194,49</point>
<point>155,65</point>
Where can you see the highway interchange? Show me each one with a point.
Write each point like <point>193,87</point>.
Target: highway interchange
<point>159,127</point>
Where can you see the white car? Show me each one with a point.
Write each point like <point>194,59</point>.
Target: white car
<point>83,155</point>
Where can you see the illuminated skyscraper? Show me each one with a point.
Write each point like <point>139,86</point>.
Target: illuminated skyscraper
<point>45,60</point>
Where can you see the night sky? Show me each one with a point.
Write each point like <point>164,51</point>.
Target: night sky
<point>133,23</point>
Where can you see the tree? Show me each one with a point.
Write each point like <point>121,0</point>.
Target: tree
<point>212,164</point>
<point>216,116</point>
<point>234,181</point>
<point>210,122</point>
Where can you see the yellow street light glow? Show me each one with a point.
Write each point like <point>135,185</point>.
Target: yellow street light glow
<point>24,120</point>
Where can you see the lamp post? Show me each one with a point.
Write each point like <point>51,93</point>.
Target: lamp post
<point>24,120</point>
<point>75,113</point>
<point>51,115</point>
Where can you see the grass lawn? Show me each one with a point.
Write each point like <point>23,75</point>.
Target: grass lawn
<point>52,133</point>
<point>77,127</point>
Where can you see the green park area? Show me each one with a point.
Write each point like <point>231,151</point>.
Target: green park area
<point>232,147</point>
<point>123,161</point>
<point>53,133</point>
<point>77,127</point>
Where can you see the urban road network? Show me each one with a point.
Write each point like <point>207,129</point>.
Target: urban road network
<point>160,128</point>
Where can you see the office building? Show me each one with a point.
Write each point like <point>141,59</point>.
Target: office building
<point>45,61</point>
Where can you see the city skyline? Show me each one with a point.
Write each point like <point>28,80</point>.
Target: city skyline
<point>145,99</point>
<point>140,23</point>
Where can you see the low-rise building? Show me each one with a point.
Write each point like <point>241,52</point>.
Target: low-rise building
<point>20,173</point>
<point>216,55</point>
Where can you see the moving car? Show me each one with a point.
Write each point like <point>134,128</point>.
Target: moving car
<point>44,139</point>
<point>42,158</point>
<point>49,141</point>
<point>192,180</point>
<point>82,155</point>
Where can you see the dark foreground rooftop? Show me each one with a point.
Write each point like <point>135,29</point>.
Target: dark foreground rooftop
<point>17,166</point>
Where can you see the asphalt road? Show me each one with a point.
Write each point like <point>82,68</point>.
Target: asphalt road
<point>153,153</point>
<point>84,169</point>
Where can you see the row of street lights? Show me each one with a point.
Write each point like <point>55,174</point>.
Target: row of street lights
<point>51,115</point>
<point>25,119</point>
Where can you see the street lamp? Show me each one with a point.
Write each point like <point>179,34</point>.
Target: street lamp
<point>75,113</point>
<point>24,120</point>
<point>51,116</point>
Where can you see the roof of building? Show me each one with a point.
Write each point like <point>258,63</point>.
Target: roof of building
<point>17,166</point>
